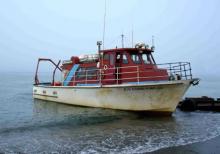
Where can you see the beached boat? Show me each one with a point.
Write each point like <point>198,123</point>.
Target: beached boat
<point>120,78</point>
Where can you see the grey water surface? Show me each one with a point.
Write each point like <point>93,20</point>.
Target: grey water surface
<point>35,126</point>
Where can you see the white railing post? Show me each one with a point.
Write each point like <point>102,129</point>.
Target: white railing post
<point>138,74</point>
<point>61,78</point>
<point>75,77</point>
<point>86,76</point>
<point>100,76</point>
<point>117,74</point>
<point>180,69</point>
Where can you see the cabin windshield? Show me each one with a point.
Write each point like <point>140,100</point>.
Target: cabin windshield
<point>124,59</point>
<point>138,58</point>
<point>147,58</point>
<point>135,58</point>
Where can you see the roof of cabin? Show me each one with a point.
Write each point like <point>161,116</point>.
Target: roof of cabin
<point>127,49</point>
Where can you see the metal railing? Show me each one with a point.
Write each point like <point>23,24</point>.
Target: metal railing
<point>36,80</point>
<point>139,73</point>
<point>181,69</point>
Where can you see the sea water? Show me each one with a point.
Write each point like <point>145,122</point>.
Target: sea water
<point>35,126</point>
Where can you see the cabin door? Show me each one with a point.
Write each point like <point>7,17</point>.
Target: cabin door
<point>118,65</point>
<point>108,66</point>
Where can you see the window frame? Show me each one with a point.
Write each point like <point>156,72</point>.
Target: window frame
<point>149,60</point>
<point>133,60</point>
<point>125,55</point>
<point>91,72</point>
<point>111,59</point>
<point>106,56</point>
<point>81,73</point>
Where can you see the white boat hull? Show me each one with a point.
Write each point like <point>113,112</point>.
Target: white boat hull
<point>157,97</point>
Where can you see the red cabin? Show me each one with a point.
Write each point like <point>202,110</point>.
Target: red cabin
<point>113,66</point>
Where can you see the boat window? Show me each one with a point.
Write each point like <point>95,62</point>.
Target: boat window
<point>106,57</point>
<point>125,59</point>
<point>91,72</point>
<point>146,58</point>
<point>81,73</point>
<point>112,60</point>
<point>118,57</point>
<point>135,58</point>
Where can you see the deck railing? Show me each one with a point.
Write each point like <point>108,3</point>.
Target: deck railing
<point>181,69</point>
<point>176,71</point>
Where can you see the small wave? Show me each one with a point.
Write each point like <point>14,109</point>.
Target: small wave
<point>66,122</point>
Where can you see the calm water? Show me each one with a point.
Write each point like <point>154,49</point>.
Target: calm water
<point>34,126</point>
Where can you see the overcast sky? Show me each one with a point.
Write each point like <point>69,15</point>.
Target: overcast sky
<point>184,30</point>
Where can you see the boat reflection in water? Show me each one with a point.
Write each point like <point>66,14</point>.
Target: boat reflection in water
<point>74,115</point>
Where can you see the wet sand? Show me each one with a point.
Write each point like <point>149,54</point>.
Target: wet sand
<point>207,147</point>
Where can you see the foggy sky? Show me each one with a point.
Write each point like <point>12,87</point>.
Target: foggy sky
<point>184,30</point>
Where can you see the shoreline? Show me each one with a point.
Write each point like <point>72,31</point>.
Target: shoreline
<point>205,147</point>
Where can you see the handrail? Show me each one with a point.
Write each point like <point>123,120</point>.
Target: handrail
<point>175,71</point>
<point>57,66</point>
<point>181,70</point>
<point>46,59</point>
<point>114,79</point>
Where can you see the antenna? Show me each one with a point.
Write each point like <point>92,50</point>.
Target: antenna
<point>132,37</point>
<point>122,40</point>
<point>152,47</point>
<point>103,37</point>
<point>152,40</point>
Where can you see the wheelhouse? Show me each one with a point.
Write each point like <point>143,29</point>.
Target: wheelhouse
<point>114,66</point>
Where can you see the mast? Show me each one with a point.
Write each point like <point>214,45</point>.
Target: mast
<point>122,40</point>
<point>103,37</point>
<point>152,40</point>
<point>132,38</point>
<point>152,47</point>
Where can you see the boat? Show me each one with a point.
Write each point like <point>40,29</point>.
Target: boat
<point>118,78</point>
